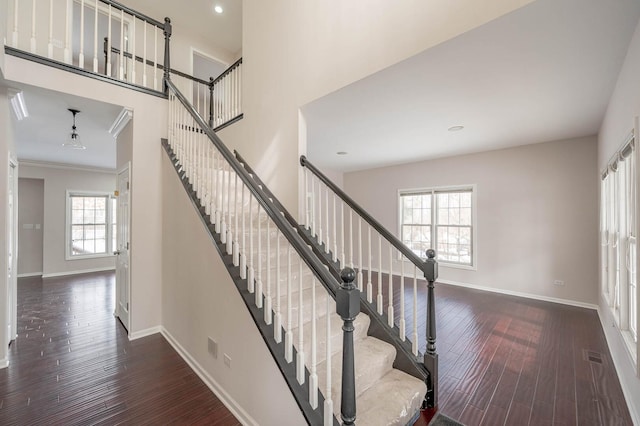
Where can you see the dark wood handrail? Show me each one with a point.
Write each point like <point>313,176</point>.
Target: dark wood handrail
<point>316,266</point>
<point>225,72</point>
<point>158,65</point>
<point>135,13</point>
<point>399,245</point>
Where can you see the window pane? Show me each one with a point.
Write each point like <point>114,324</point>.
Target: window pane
<point>100,231</point>
<point>77,216</point>
<point>89,203</point>
<point>101,246</point>
<point>465,216</point>
<point>454,199</point>
<point>89,216</point>
<point>77,203</point>
<point>443,216</point>
<point>465,199</point>
<point>101,203</point>
<point>101,216</point>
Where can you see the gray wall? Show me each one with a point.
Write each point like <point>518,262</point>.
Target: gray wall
<point>30,226</point>
<point>537,214</point>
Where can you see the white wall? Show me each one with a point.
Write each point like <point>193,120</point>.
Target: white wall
<point>536,214</point>
<point>200,300</point>
<point>30,226</point>
<point>621,117</point>
<point>57,181</point>
<point>297,51</point>
<point>149,114</point>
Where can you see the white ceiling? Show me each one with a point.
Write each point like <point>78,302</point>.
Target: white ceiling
<point>541,73</point>
<point>40,136</point>
<point>196,17</point>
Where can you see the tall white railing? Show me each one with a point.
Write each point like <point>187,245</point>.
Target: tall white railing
<point>388,273</point>
<point>284,285</point>
<point>98,36</point>
<point>219,100</point>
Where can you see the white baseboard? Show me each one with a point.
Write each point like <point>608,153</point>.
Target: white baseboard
<point>240,414</point>
<point>83,271</point>
<point>629,397</point>
<point>4,363</point>
<point>30,274</point>
<point>144,333</point>
<point>521,294</point>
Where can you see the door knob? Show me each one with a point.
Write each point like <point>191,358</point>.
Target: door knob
<point>116,253</point>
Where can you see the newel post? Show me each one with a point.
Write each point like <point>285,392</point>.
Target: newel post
<point>348,307</point>
<point>211,102</point>
<point>430,355</point>
<point>167,56</point>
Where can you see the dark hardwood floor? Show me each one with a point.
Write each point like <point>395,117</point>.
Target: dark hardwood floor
<point>72,363</point>
<point>507,360</point>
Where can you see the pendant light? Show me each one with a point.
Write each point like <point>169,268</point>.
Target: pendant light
<point>73,140</point>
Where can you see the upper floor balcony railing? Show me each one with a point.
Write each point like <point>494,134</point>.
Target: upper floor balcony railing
<point>110,41</point>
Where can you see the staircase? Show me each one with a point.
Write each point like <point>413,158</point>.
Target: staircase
<point>293,292</point>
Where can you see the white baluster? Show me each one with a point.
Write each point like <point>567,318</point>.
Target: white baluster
<point>343,260</point>
<point>236,247</point>
<point>14,34</point>
<point>326,215</point>
<point>122,46</point>
<point>328,403</point>
<point>319,212</point>
<point>334,254</point>
<point>379,299</point>
<point>229,223</point>
<point>33,27</point>
<point>95,37</point>
<point>300,358</point>
<point>414,345</point>
<point>307,206</point>
<point>369,283</point>
<point>313,377</point>
<point>359,276</point>
<point>67,33</point>
<point>251,270</point>
<point>243,248</point>
<point>277,324</point>
<point>50,44</point>
<point>351,238</point>
<point>81,54</point>
<point>268,299</point>
<point>134,60</point>
<point>288,335</point>
<point>259,272</point>
<point>403,323</point>
<point>390,306</point>
<point>109,42</point>
<point>155,58</point>
<point>144,54</point>
<point>223,226</point>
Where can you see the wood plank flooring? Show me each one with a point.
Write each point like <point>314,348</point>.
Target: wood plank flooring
<point>72,363</point>
<point>507,360</point>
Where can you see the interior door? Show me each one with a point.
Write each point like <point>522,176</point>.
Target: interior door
<point>123,289</point>
<point>11,254</point>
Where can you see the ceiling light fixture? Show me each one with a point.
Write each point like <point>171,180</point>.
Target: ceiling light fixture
<point>455,128</point>
<point>120,122</point>
<point>19,106</point>
<point>341,152</point>
<point>73,141</point>
<point>218,8</point>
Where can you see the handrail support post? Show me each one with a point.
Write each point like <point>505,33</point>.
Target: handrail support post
<point>348,307</point>
<point>431,355</point>
<point>167,55</point>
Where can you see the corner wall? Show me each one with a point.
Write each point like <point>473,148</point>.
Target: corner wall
<point>621,117</point>
<point>30,226</point>
<point>537,214</point>
<point>200,300</point>
<point>297,51</point>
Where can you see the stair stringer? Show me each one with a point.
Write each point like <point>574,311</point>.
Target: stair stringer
<point>277,350</point>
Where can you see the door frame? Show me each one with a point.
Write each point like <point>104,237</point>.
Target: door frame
<point>125,168</point>
<point>12,222</point>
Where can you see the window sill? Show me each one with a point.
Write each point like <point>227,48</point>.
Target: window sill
<point>89,256</point>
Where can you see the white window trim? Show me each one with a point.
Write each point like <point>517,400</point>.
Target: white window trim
<point>67,227</point>
<point>474,221</point>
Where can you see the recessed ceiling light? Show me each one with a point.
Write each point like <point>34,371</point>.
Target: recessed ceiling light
<point>218,8</point>
<point>455,128</point>
<point>341,152</point>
